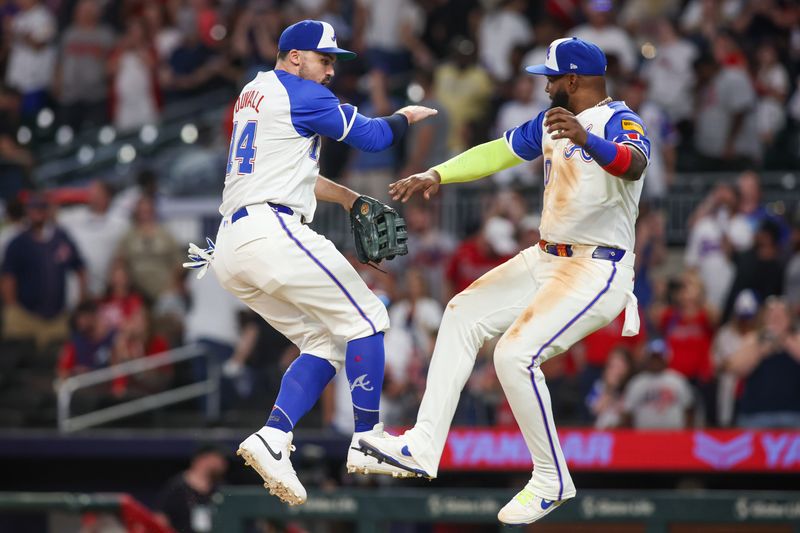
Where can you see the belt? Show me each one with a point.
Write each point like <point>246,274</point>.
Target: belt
<point>567,250</point>
<point>242,211</point>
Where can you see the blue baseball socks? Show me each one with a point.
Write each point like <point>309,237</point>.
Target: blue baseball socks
<point>364,361</point>
<point>301,387</point>
<point>308,375</point>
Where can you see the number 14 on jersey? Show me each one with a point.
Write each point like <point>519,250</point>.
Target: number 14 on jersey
<point>243,148</point>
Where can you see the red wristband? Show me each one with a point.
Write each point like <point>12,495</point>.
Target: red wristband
<point>621,162</point>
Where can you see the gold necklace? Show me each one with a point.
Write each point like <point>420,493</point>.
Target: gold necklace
<point>604,101</point>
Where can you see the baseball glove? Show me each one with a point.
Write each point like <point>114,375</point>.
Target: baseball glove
<point>380,233</point>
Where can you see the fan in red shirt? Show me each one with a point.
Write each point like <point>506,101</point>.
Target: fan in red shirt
<point>688,329</point>
<point>490,247</point>
<point>122,302</point>
<point>134,340</point>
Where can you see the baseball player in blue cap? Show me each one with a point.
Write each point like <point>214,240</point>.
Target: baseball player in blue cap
<point>575,281</point>
<point>295,278</point>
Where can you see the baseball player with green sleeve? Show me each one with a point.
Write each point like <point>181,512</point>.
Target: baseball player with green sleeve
<point>548,297</point>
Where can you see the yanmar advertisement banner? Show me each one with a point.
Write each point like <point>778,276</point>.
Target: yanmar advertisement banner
<point>590,450</point>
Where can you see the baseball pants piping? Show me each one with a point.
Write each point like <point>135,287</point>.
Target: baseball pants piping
<point>541,305</point>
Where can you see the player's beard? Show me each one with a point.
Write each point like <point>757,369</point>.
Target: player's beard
<point>303,73</point>
<point>560,99</point>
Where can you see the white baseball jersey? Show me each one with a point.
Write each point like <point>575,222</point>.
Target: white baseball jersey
<point>584,204</point>
<point>265,255</point>
<point>274,153</point>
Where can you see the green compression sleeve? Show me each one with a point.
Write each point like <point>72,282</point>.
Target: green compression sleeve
<point>478,162</point>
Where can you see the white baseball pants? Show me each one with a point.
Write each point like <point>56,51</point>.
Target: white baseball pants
<point>541,304</point>
<point>297,281</point>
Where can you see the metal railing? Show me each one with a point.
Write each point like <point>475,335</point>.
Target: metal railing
<point>209,387</point>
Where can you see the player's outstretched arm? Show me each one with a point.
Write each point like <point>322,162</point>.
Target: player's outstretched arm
<point>427,182</point>
<point>474,164</point>
<point>328,191</point>
<point>416,113</point>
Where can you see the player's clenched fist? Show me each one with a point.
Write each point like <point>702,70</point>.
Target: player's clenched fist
<point>415,113</point>
<point>562,124</point>
<point>427,181</point>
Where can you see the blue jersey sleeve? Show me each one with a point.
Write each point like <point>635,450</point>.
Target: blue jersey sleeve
<point>526,140</point>
<point>625,127</point>
<point>315,110</point>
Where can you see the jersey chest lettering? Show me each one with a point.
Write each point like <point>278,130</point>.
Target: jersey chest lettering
<point>571,148</point>
<point>251,99</point>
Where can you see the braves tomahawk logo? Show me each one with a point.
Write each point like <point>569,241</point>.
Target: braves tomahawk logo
<point>361,382</point>
<point>722,455</point>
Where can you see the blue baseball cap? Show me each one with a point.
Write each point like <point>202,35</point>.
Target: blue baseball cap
<point>312,35</point>
<point>571,56</point>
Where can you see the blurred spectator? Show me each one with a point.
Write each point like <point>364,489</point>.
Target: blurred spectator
<point>545,32</point>
<point>650,250</point>
<point>212,322</point>
<point>791,284</point>
<point>193,65</point>
<point>491,246</point>
<point>429,247</point>
<point>670,75</point>
<point>772,87</point>
<point>750,212</point>
<point>687,327</point>
<point>418,312</point>
<point>134,340</point>
<point>725,118</point>
<point>267,354</point>
<point>204,14</point>
<point>529,234</point>
<point>769,364</point>
<point>702,18</point>
<point>121,301</point>
<point>135,94</point>
<point>658,397</point>
<point>89,345</point>
<point>426,145</point>
<point>81,75</point>
<point>594,351</point>
<point>96,231</point>
<point>255,37</point>
<point>465,90</point>
<point>388,30</point>
<point>13,225</point>
<point>166,37</point>
<point>88,348</point>
<point>520,109</point>
<point>605,399</point>
<point>16,161</point>
<point>184,503</point>
<point>124,202</point>
<point>371,173</point>
<point>151,253</point>
<point>501,30</point>
<point>663,140</point>
<point>32,58</point>
<point>707,245</point>
<point>601,30</point>
<point>727,342</point>
<point>760,268</point>
<point>34,278</point>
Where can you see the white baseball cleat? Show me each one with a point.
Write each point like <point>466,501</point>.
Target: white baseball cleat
<point>267,452</point>
<point>526,507</point>
<point>359,462</point>
<point>393,451</point>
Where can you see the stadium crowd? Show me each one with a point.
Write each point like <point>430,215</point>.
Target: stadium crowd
<point>90,285</point>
